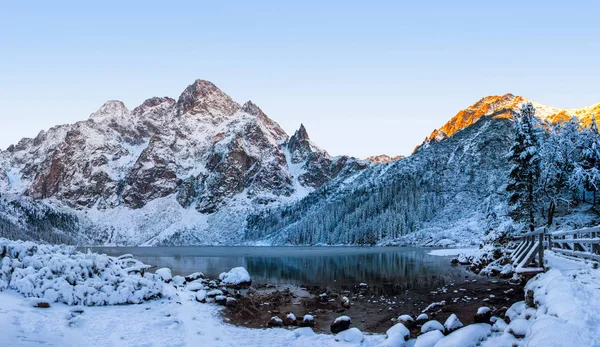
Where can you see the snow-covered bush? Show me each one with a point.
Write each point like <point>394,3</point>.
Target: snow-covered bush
<point>61,274</point>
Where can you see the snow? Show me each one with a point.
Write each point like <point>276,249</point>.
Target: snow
<point>429,339</point>
<point>423,316</point>
<point>405,318</point>
<point>235,276</point>
<point>452,323</point>
<point>469,336</point>
<point>164,274</point>
<point>451,251</point>
<point>432,325</point>
<point>483,310</point>
<point>342,319</point>
<point>398,329</point>
<point>352,335</point>
<point>518,327</point>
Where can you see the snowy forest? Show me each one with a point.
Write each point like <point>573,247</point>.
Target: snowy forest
<point>554,166</point>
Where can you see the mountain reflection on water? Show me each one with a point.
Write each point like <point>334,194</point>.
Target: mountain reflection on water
<point>387,270</point>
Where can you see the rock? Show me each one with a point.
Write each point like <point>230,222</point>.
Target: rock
<point>429,339</point>
<point>469,336</point>
<point>194,276</point>
<point>194,286</point>
<point>352,335</point>
<point>214,293</point>
<point>398,329</point>
<point>275,322</point>
<point>290,319</point>
<point>236,278</point>
<point>452,324</point>
<point>164,274</point>
<point>230,302</point>
<point>529,299</point>
<point>346,302</point>
<point>340,324</point>
<point>408,321</point>
<point>518,328</point>
<point>201,296</point>
<point>422,319</point>
<point>432,325</point>
<point>307,321</point>
<point>483,315</point>
<point>221,300</point>
<point>43,304</point>
<point>178,280</point>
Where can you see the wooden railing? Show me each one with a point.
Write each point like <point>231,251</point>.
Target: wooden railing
<point>528,257</point>
<point>581,243</point>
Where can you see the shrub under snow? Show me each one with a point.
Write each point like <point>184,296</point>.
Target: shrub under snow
<point>61,274</point>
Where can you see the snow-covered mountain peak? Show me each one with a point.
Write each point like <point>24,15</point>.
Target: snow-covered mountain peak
<point>205,99</point>
<point>503,106</point>
<point>112,109</point>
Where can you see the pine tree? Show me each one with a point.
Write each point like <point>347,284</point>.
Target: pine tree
<point>525,170</point>
<point>587,172</point>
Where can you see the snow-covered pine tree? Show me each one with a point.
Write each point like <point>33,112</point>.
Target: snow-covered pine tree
<point>588,170</point>
<point>559,152</point>
<point>525,170</point>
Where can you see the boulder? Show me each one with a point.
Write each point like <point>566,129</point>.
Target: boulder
<point>408,321</point>
<point>452,324</point>
<point>307,321</point>
<point>194,276</point>
<point>290,319</point>
<point>340,324</point>
<point>275,322</point>
<point>484,314</point>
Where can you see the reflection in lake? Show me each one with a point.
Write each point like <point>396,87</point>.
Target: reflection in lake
<point>387,270</point>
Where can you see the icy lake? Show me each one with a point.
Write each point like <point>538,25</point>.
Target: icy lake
<point>391,269</point>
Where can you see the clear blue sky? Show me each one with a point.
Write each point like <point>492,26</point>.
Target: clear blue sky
<point>364,77</point>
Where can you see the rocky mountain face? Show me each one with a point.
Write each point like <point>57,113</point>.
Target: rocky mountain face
<point>383,158</point>
<point>203,151</point>
<point>204,169</point>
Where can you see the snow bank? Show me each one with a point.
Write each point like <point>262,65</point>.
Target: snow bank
<point>446,252</point>
<point>469,336</point>
<point>429,339</point>
<point>352,335</point>
<point>236,276</point>
<point>60,274</point>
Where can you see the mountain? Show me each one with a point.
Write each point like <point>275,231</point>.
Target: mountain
<point>383,158</point>
<point>502,107</point>
<point>168,171</point>
<point>203,169</point>
<point>450,191</point>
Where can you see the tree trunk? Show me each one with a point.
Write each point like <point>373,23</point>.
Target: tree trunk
<point>551,213</point>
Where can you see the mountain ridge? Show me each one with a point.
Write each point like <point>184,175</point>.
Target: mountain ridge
<point>203,169</point>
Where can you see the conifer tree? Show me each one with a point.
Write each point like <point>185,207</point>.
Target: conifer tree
<point>525,170</point>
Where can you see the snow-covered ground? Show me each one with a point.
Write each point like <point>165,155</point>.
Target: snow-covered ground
<point>167,312</point>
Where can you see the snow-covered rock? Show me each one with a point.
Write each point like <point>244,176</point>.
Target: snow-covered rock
<point>398,329</point>
<point>164,274</point>
<point>429,339</point>
<point>352,335</point>
<point>61,274</point>
<point>452,323</point>
<point>469,336</point>
<point>238,276</point>
<point>432,325</point>
<point>340,324</point>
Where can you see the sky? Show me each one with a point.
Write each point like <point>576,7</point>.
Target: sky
<point>364,77</point>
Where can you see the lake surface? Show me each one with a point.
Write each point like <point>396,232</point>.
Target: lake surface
<point>392,270</point>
